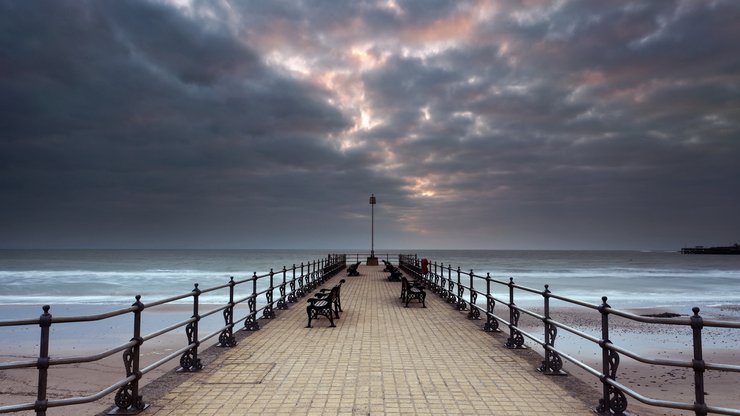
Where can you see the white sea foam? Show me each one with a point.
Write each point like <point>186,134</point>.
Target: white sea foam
<point>627,278</point>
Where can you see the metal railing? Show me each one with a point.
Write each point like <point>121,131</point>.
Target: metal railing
<point>449,283</point>
<point>361,257</point>
<point>303,279</point>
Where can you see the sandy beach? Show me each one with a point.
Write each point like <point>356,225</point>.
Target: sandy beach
<point>19,386</point>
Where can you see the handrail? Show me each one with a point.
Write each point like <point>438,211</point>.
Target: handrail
<point>439,277</point>
<point>305,277</point>
<point>66,319</point>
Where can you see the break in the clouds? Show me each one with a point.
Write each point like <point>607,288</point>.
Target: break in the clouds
<point>478,124</point>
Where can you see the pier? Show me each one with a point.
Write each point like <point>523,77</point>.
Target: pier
<point>733,249</point>
<point>463,351</point>
<point>381,358</point>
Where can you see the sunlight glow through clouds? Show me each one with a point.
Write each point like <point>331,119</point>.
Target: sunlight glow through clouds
<point>428,187</point>
<point>393,6</point>
<point>365,59</point>
<point>293,63</point>
<point>425,113</point>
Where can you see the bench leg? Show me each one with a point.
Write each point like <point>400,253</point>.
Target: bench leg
<point>308,312</point>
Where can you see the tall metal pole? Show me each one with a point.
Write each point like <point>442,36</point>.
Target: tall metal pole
<point>372,226</point>
<point>372,261</point>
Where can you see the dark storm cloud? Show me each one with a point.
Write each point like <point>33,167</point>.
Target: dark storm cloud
<point>479,124</point>
<point>128,115</point>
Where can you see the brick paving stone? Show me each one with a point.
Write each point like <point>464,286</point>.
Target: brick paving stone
<point>381,358</point>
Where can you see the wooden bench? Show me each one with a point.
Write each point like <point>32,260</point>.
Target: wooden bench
<point>352,269</point>
<point>388,266</point>
<point>324,305</point>
<point>395,275</point>
<point>411,291</point>
<point>337,300</point>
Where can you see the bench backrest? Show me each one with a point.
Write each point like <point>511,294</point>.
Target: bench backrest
<point>333,293</point>
<point>339,286</point>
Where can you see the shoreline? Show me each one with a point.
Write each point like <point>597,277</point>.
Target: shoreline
<point>667,383</point>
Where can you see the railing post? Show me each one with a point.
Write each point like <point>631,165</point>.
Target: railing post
<point>315,275</point>
<point>127,398</point>
<point>491,321</point>
<point>251,324</point>
<point>189,360</point>
<point>312,274</point>
<point>292,298</point>
<point>436,279</point>
<point>308,277</point>
<point>268,313</point>
<point>43,362</point>
<point>281,303</point>
<point>474,312</point>
<point>516,340</point>
<point>442,283</point>
<point>613,401</point>
<point>451,298</point>
<point>552,364</point>
<point>226,338</point>
<point>430,276</point>
<point>697,323</point>
<point>301,291</point>
<point>461,305</point>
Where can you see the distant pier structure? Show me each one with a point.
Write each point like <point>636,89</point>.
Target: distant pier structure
<point>733,249</point>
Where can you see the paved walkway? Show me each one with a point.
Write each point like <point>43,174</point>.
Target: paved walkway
<point>381,358</point>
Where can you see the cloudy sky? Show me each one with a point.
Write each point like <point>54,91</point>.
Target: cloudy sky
<point>267,124</point>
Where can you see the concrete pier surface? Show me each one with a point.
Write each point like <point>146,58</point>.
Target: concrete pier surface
<point>380,359</point>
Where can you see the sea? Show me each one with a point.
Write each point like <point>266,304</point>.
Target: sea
<point>630,279</point>
<point>84,282</point>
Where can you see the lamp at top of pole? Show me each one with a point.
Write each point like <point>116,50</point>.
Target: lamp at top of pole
<point>372,199</point>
